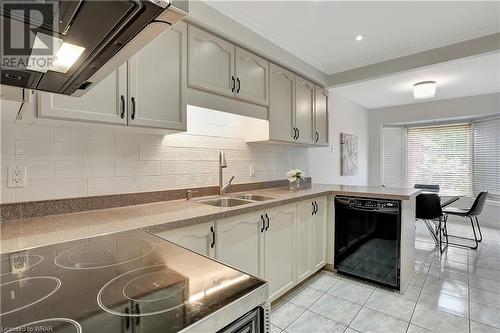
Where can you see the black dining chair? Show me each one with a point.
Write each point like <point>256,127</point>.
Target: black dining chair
<point>428,209</point>
<point>472,213</point>
<point>427,187</point>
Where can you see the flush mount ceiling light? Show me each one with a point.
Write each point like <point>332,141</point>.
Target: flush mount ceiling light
<point>359,37</point>
<point>424,89</point>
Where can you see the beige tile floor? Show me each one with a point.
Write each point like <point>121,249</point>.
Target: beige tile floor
<point>458,291</point>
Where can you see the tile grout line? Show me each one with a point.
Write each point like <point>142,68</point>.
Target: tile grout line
<point>420,293</point>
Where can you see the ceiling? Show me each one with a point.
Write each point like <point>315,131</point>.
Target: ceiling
<point>465,77</point>
<point>322,33</point>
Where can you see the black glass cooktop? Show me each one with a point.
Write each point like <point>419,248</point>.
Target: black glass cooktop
<point>125,282</point>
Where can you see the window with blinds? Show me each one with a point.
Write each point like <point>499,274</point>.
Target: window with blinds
<point>487,158</point>
<point>440,155</point>
<point>394,168</point>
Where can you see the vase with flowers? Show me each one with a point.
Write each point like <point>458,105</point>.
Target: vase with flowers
<point>294,177</point>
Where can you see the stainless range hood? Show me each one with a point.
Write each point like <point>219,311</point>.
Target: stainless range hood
<point>66,47</point>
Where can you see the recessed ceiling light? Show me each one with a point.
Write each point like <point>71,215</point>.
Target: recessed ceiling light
<point>424,89</point>
<point>359,37</point>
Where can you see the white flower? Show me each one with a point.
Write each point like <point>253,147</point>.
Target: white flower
<point>294,174</point>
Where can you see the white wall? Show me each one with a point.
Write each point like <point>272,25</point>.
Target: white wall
<point>66,162</point>
<point>349,117</point>
<point>456,108</point>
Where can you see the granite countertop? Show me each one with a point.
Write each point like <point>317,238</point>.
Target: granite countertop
<point>155,217</point>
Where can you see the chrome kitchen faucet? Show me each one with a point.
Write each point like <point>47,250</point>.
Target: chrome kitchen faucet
<point>223,164</point>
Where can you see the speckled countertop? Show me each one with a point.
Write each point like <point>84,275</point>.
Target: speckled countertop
<point>155,217</point>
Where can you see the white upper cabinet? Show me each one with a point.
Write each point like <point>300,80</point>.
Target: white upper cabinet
<point>239,242</point>
<point>157,76</point>
<point>104,103</point>
<point>210,63</point>
<point>281,104</point>
<point>147,91</point>
<point>304,110</point>
<point>319,230</point>
<point>279,250</point>
<point>198,238</point>
<point>252,77</point>
<point>321,116</point>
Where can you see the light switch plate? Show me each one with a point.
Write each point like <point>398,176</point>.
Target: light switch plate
<point>17,176</point>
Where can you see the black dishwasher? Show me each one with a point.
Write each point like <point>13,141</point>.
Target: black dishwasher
<point>367,239</point>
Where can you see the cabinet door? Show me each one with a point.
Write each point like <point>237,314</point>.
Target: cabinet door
<point>304,109</point>
<point>211,62</point>
<point>279,250</point>
<point>104,103</point>
<point>281,104</point>
<point>197,238</point>
<point>157,76</point>
<point>319,230</point>
<point>239,242</point>
<point>321,116</point>
<point>252,77</point>
<point>303,251</point>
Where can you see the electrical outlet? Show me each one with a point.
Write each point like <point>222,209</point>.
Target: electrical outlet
<point>252,170</point>
<point>17,176</point>
<point>18,262</point>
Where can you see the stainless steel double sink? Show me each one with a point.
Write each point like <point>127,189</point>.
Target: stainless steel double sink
<point>237,200</point>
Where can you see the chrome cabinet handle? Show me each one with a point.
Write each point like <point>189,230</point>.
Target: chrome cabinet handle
<point>213,237</point>
<point>132,116</point>
<point>122,114</point>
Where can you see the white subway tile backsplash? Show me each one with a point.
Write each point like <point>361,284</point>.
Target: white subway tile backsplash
<point>157,153</point>
<point>51,189</point>
<point>199,155</point>
<point>209,179</point>
<point>27,132</point>
<point>137,168</point>
<point>84,169</point>
<point>188,167</point>
<point>72,162</point>
<point>112,152</point>
<point>7,147</point>
<point>7,194</point>
<point>138,138</point>
<point>157,183</point>
<point>83,135</point>
<point>40,150</point>
<point>112,185</point>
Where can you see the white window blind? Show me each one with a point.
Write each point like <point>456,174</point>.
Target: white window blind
<point>487,158</point>
<point>393,156</point>
<point>440,155</point>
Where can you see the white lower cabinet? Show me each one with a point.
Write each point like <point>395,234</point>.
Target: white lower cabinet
<point>198,238</point>
<point>319,232</point>
<point>240,242</point>
<point>303,236</point>
<point>282,245</point>
<point>279,262</point>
